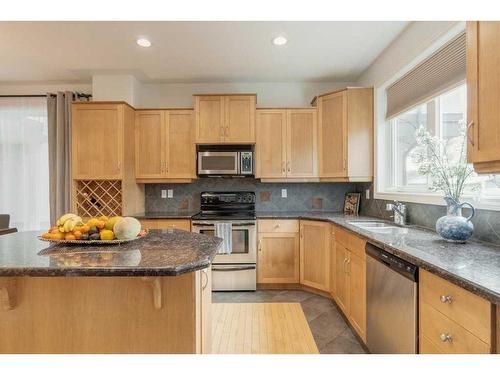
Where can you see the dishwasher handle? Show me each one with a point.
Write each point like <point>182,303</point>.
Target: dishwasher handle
<point>401,266</point>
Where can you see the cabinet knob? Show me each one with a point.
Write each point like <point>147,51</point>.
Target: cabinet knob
<point>446,299</point>
<point>446,337</point>
<point>276,226</point>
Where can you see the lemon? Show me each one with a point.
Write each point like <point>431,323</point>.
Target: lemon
<point>107,235</point>
<point>111,222</point>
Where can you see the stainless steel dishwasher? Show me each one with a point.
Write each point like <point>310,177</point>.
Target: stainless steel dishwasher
<point>391,303</point>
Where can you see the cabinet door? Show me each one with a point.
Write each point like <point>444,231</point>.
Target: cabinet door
<point>342,279</point>
<point>180,148</point>
<point>239,119</point>
<point>301,143</point>
<point>184,224</point>
<point>150,144</point>
<point>278,258</point>
<point>357,291</point>
<point>271,143</point>
<point>206,310</point>
<point>315,254</point>
<point>97,141</point>
<point>332,135</point>
<point>209,112</point>
<point>333,258</point>
<point>483,86</point>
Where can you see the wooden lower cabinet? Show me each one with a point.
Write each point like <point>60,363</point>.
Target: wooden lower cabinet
<point>453,319</point>
<point>350,279</point>
<point>357,294</point>
<point>342,277</point>
<point>204,311</point>
<point>278,252</point>
<point>315,254</point>
<point>184,224</point>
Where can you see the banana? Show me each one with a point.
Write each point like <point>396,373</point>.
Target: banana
<point>70,224</point>
<point>64,218</point>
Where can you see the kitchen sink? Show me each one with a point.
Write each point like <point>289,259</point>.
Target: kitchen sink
<point>378,227</point>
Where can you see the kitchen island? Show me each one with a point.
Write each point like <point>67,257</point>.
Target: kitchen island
<point>152,295</point>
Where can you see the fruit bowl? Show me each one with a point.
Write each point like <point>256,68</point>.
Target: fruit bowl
<point>143,233</point>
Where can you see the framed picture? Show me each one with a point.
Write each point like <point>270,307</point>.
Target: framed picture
<point>351,203</point>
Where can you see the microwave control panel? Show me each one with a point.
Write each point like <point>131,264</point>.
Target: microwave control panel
<point>246,161</point>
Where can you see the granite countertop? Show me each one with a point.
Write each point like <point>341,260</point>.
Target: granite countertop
<point>165,215</point>
<point>169,252</point>
<point>475,266</point>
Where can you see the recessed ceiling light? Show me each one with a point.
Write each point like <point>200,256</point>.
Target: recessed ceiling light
<point>280,40</point>
<point>143,42</point>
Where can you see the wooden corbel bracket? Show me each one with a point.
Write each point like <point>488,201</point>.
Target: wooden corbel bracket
<point>155,284</point>
<point>7,293</point>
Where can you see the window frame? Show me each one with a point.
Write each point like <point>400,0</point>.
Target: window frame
<point>384,182</point>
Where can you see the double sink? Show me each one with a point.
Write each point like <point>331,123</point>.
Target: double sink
<point>380,227</point>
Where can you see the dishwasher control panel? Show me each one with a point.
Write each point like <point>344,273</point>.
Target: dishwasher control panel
<point>392,261</point>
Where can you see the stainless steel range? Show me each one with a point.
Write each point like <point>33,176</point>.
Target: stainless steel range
<point>234,268</point>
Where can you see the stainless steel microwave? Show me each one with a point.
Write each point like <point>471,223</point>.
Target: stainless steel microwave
<point>225,160</point>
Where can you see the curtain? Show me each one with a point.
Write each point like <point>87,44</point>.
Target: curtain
<point>59,136</point>
<point>24,181</point>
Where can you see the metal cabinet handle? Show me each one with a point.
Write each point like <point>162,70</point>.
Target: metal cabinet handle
<point>288,166</point>
<point>446,337</point>
<point>446,299</point>
<point>119,166</point>
<point>166,167</point>
<point>283,170</point>
<point>204,285</point>
<point>260,245</point>
<point>276,226</point>
<point>469,138</point>
<point>344,265</point>
<point>226,132</point>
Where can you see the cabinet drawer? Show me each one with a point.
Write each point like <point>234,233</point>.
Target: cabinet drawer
<point>435,326</point>
<point>352,242</point>
<point>426,346</point>
<point>278,226</point>
<point>465,308</point>
<point>184,224</point>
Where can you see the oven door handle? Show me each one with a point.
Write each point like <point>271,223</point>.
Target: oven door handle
<point>213,225</point>
<point>234,268</point>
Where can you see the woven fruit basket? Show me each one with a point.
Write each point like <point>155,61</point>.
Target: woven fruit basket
<point>142,234</point>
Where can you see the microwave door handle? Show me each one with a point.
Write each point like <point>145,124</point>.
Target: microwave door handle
<point>238,162</point>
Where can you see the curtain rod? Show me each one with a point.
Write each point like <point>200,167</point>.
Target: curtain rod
<point>80,95</point>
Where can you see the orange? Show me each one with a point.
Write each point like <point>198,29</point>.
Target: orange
<point>77,234</point>
<point>54,230</point>
<point>92,222</point>
<point>100,224</point>
<point>56,236</point>
<point>46,235</point>
<point>84,228</point>
<point>69,237</point>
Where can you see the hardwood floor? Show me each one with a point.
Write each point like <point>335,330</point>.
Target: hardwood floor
<point>331,333</point>
<point>261,328</point>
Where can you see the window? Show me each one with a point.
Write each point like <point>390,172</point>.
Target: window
<point>443,116</point>
<point>24,164</point>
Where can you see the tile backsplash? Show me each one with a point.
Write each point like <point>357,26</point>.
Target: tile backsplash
<point>300,196</point>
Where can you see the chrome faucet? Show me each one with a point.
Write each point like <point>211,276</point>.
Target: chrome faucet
<point>399,210</point>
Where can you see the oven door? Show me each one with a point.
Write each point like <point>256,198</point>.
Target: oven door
<point>218,163</point>
<point>244,239</point>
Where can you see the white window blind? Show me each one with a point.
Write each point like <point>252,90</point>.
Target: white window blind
<point>443,69</point>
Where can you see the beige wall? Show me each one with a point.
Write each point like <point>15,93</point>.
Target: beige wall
<point>42,88</point>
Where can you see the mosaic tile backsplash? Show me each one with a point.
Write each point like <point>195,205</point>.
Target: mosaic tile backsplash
<point>300,196</point>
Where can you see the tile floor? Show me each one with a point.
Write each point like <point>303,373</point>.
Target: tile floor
<point>330,331</point>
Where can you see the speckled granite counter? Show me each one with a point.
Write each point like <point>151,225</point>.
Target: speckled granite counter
<point>161,253</point>
<point>475,266</point>
<point>165,215</point>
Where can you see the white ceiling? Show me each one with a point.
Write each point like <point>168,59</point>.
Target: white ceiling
<point>192,51</point>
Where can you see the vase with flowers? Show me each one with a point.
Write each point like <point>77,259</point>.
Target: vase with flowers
<point>448,174</point>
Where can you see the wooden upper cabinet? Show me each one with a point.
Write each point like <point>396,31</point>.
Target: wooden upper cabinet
<point>483,95</point>
<point>164,145</point>
<point>225,118</point>
<point>181,151</point>
<point>270,147</point>
<point>286,146</point>
<point>239,120</point>
<point>97,141</point>
<point>332,135</point>
<point>301,133</point>
<point>345,135</point>
<point>150,139</point>
<point>315,254</point>
<point>209,112</point>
